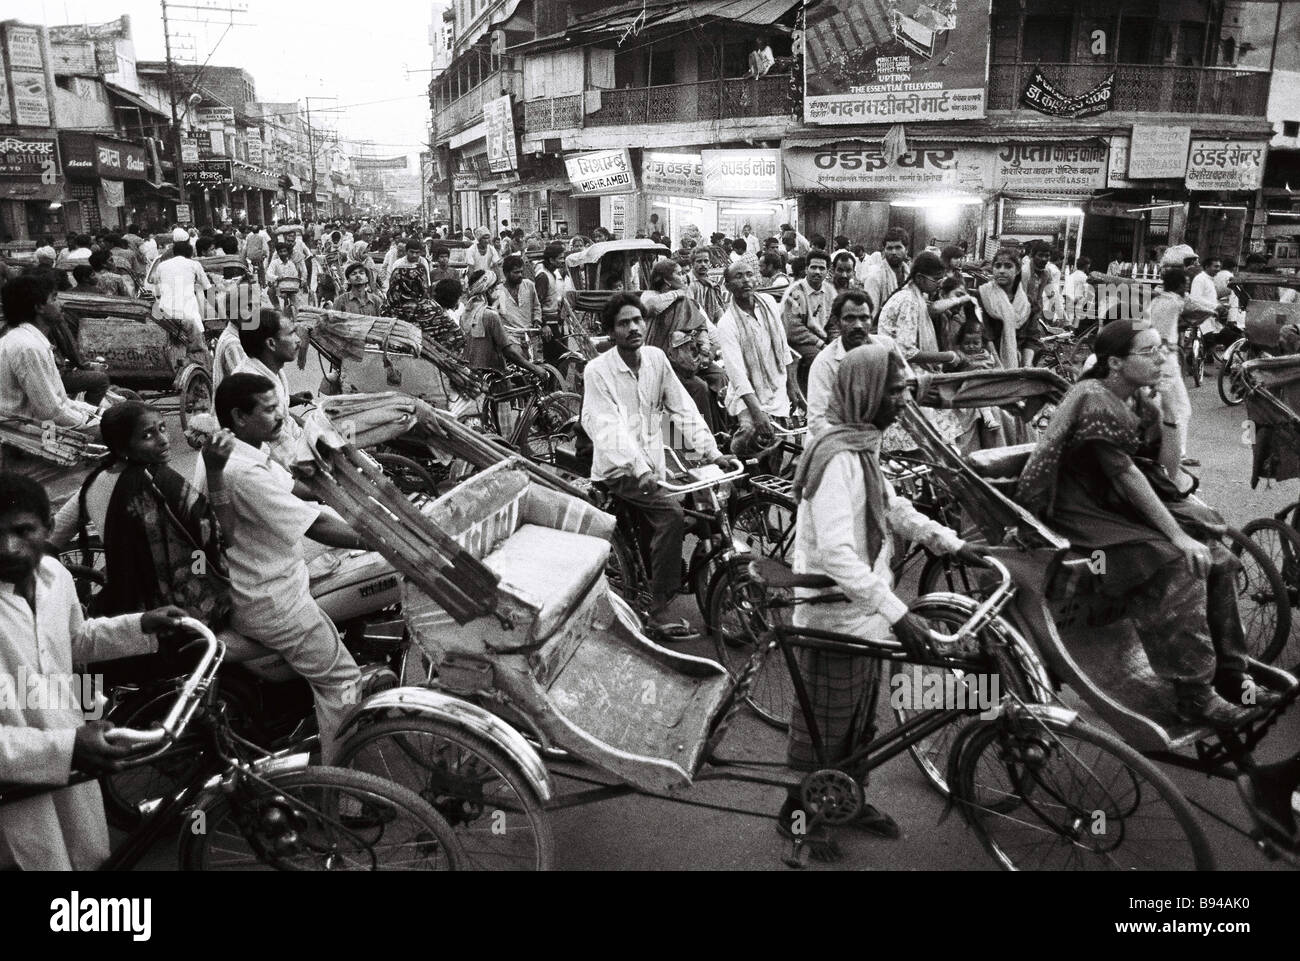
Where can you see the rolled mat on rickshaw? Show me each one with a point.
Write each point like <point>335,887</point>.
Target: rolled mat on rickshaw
<point>1034,387</point>
<point>1273,406</point>
<point>61,446</point>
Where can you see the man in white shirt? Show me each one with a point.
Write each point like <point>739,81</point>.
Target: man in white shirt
<point>43,740</point>
<point>1163,313</point>
<point>761,367</point>
<point>627,392</point>
<point>181,283</point>
<point>1080,298</point>
<point>483,256</point>
<point>851,311</point>
<point>267,347</point>
<point>269,585</point>
<point>30,385</point>
<point>806,311</point>
<point>891,273</point>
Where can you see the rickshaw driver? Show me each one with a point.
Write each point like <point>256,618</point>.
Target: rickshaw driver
<point>283,268</point>
<point>30,385</point>
<point>761,367</point>
<point>626,392</point>
<point>843,529</point>
<point>267,348</point>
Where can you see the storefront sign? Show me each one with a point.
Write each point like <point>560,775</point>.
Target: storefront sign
<point>856,167</point>
<point>464,181</point>
<point>618,216</point>
<point>27,157</point>
<point>502,147</point>
<point>209,117</point>
<point>254,140</point>
<point>673,174</point>
<point>209,173</point>
<point>6,117</point>
<point>1158,151</point>
<point>182,213</point>
<point>1117,168</point>
<point>601,172</point>
<point>189,150</point>
<point>30,190</point>
<point>1225,164</point>
<point>753,174</point>
<point>122,161</point>
<point>1057,167</point>
<point>902,61</point>
<point>1042,95</point>
<point>26,61</point>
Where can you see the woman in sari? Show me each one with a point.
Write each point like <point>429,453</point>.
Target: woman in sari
<point>1102,476</point>
<point>161,537</point>
<point>848,511</point>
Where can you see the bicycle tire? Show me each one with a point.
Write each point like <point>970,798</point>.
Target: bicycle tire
<point>1017,747</point>
<point>944,574</point>
<point>427,832</point>
<point>549,423</point>
<point>1279,542</point>
<point>930,754</point>
<point>452,768</point>
<point>1198,359</point>
<point>410,476</point>
<point>1231,389</point>
<point>772,697</point>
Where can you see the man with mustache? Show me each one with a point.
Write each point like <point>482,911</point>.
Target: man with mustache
<point>268,346</point>
<point>851,312</point>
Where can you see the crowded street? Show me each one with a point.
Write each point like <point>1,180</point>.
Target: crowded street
<point>736,435</point>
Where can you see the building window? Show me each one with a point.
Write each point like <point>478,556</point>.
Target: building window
<point>1291,128</point>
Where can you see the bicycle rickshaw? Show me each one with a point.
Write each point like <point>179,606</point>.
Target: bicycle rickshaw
<point>1264,320</point>
<point>516,660</point>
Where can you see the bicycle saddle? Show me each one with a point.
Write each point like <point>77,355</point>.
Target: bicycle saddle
<point>773,573</point>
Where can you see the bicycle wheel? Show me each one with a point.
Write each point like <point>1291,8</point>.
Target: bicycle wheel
<point>550,424</point>
<point>1280,544</point>
<point>1232,387</point>
<point>320,819</point>
<point>909,685</point>
<point>1197,358</point>
<point>730,595</point>
<point>409,476</point>
<point>1044,794</point>
<point>490,804</point>
<point>766,524</point>
<point>625,576</point>
<point>89,574</point>
<point>943,573</point>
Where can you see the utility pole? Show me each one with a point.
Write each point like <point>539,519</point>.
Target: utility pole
<point>178,156</point>
<point>311,152</point>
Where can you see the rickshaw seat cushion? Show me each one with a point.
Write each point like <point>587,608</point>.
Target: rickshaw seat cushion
<point>549,570</point>
<point>1000,462</point>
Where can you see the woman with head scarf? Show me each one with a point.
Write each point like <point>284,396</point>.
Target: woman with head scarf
<point>847,514</point>
<point>161,537</point>
<point>1103,476</point>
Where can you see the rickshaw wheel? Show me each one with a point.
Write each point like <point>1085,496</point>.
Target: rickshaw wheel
<point>552,422</point>
<point>1276,544</point>
<point>407,474</point>
<point>1044,794</point>
<point>1231,389</point>
<point>195,396</point>
<point>489,802</point>
<point>931,753</point>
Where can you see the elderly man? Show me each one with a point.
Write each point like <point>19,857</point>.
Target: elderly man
<point>483,256</point>
<point>761,367</point>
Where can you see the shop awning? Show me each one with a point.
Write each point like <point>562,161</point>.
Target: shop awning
<point>135,100</point>
<point>764,13</point>
<point>925,133</point>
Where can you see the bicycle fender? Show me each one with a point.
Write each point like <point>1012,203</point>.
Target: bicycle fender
<point>425,702</point>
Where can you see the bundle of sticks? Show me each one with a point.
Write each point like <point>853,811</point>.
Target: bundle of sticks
<point>57,445</point>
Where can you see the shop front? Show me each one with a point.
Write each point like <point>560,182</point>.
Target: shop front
<point>97,169</point>
<point>934,191</point>
<point>1043,190</point>
<point>208,184</point>
<point>31,190</point>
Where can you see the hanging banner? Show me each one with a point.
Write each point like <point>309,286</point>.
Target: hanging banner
<point>673,174</point>
<point>378,163</point>
<point>502,148</point>
<point>26,61</point>
<point>189,150</point>
<point>1157,151</point>
<point>114,193</point>
<point>879,61</point>
<point>601,172</point>
<point>1042,95</point>
<point>1225,164</point>
<point>854,167</point>
<point>753,174</point>
<point>1057,167</point>
<point>618,216</point>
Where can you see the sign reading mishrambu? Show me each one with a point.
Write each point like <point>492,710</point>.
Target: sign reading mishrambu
<point>886,61</point>
<point>601,172</point>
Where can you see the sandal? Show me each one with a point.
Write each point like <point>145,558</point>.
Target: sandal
<point>872,820</point>
<point>671,632</point>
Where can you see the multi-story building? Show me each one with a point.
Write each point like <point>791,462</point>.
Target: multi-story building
<point>1110,128</point>
<point>1277,215</point>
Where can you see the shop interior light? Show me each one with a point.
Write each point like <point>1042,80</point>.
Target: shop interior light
<point>1150,207</point>
<point>925,202</point>
<point>1283,213</point>
<point>55,205</point>
<point>1222,207</point>
<point>1048,211</point>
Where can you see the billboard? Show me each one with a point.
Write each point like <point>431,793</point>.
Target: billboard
<point>25,59</point>
<point>892,61</point>
<point>673,174</point>
<point>502,148</point>
<point>858,167</point>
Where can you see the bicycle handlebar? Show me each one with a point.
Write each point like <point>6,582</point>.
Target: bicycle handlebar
<point>187,702</point>
<point>984,611</point>
<point>700,485</point>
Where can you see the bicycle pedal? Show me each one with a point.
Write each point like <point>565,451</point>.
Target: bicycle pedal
<point>794,859</point>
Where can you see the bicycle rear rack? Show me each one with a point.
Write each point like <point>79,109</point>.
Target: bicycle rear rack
<point>778,487</point>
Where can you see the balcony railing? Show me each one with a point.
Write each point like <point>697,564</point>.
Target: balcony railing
<point>468,109</point>
<point>731,98</point>
<point>1142,87</point>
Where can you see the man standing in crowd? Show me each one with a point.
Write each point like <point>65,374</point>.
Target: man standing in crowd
<point>852,313</point>
<point>772,269</point>
<point>442,269</point>
<point>268,346</point>
<point>806,311</point>
<point>710,297</point>
<point>483,256</point>
<point>519,307</point>
<point>359,298</point>
<point>891,273</point>
<point>761,369</point>
<point>181,284</point>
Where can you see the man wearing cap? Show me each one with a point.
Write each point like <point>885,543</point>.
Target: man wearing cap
<point>483,256</point>
<point>180,283</point>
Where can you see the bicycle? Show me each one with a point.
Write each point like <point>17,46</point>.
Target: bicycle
<point>272,809</point>
<point>538,421</point>
<point>1191,351</point>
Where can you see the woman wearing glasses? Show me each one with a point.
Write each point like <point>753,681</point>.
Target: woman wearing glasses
<point>1105,475</point>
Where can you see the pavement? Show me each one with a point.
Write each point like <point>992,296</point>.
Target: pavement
<point>637,832</point>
